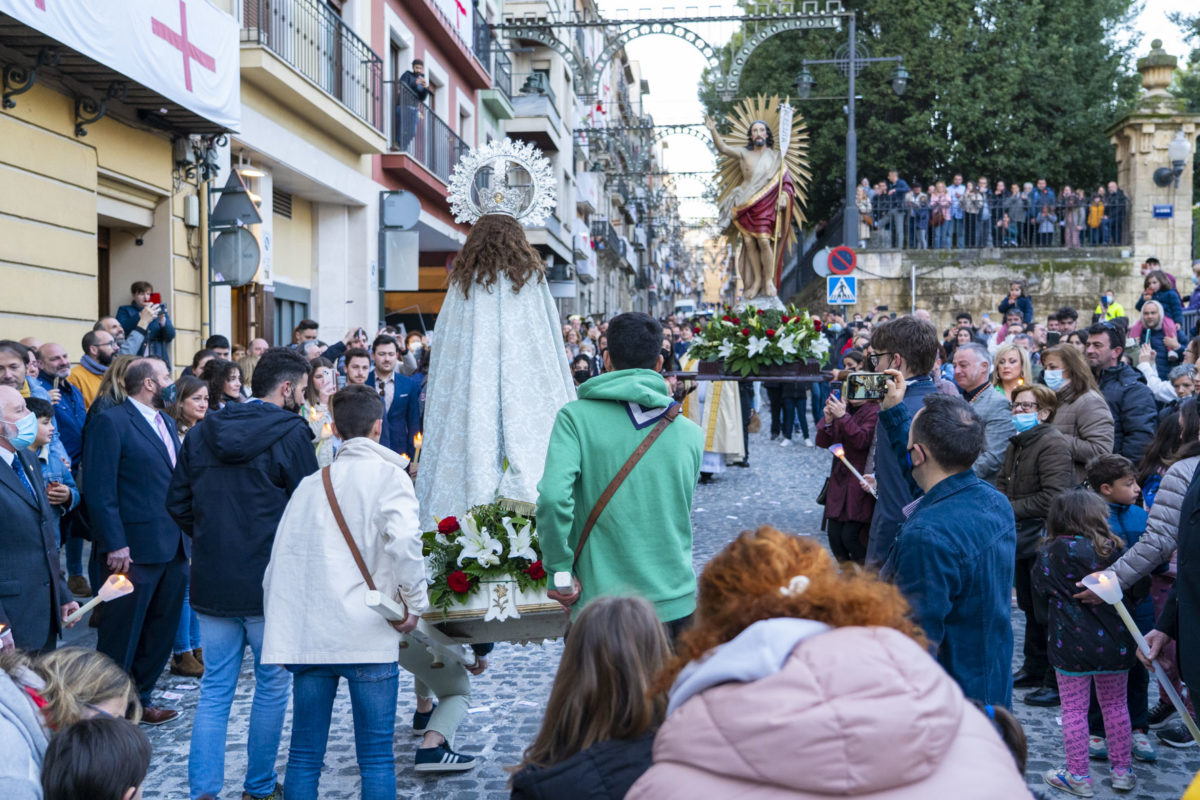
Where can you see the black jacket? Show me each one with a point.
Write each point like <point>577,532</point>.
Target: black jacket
<point>1083,638</point>
<point>236,471</point>
<point>605,771</point>
<point>1133,409</point>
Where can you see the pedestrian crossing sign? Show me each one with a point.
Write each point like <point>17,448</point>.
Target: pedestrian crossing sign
<point>841,290</point>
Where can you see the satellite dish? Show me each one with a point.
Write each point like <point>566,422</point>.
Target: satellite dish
<point>400,210</point>
<point>234,257</point>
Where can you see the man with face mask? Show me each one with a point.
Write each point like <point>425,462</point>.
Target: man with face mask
<point>28,538</point>
<point>128,456</point>
<point>14,372</point>
<point>953,559</point>
<point>235,475</point>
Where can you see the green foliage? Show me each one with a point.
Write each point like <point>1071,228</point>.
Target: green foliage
<point>1187,85</point>
<point>751,339</point>
<point>445,545</point>
<point>1010,90</point>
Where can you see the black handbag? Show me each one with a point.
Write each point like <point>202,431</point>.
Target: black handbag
<point>821,495</point>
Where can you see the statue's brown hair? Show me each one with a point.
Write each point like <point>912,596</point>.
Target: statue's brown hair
<point>496,245</point>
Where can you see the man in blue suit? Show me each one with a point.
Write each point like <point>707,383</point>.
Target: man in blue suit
<point>129,456</point>
<point>401,397</point>
<point>31,584</point>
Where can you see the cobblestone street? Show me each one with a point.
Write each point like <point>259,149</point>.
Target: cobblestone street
<point>508,700</point>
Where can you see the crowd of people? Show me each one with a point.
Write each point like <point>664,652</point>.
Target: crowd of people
<point>919,216</point>
<point>1024,455</point>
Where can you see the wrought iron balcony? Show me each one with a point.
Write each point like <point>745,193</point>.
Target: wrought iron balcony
<point>315,41</point>
<point>424,135</point>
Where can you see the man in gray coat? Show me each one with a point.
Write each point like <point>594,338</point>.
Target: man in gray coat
<point>972,372</point>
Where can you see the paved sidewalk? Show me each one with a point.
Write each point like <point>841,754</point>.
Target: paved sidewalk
<point>509,699</point>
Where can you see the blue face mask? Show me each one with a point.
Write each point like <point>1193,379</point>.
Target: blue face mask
<point>27,428</point>
<point>1023,422</point>
<point>1054,378</point>
<point>835,327</point>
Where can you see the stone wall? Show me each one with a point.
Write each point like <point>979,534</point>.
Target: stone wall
<point>949,281</point>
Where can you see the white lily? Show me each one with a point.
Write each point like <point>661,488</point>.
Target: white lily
<point>757,345</point>
<point>821,346</point>
<point>726,350</point>
<point>788,345</point>
<point>520,543</point>
<point>478,544</point>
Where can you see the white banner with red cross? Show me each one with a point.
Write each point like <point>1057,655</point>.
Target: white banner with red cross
<point>186,50</point>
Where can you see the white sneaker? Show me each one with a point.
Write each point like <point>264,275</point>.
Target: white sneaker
<point>808,443</point>
<point>785,443</point>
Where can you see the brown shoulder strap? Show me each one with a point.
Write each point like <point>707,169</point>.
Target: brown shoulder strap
<point>341,521</point>
<point>666,419</point>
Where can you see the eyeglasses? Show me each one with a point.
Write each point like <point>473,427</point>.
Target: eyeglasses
<point>873,360</point>
<point>1023,406</point>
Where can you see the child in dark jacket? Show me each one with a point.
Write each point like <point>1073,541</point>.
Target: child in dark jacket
<point>1087,643</point>
<point>1114,478</point>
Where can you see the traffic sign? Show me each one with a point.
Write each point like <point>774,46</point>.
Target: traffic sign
<point>842,260</point>
<point>841,290</point>
<point>821,262</point>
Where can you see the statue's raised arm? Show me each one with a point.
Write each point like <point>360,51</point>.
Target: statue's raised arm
<point>722,148</point>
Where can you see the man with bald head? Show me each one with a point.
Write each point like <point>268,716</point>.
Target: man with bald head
<point>99,349</point>
<point>258,347</point>
<point>36,600</point>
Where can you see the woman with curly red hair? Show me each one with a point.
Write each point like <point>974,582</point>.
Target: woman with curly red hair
<point>802,681</point>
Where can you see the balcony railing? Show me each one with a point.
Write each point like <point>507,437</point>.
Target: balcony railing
<point>605,237</point>
<point>314,40</point>
<point>424,135</point>
<point>481,40</point>
<point>502,72</point>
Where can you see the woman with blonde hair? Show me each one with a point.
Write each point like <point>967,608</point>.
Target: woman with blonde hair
<point>1012,369</point>
<point>247,364</point>
<point>40,695</point>
<point>803,681</point>
<point>1083,415</point>
<point>112,388</point>
<point>322,384</point>
<point>599,724</point>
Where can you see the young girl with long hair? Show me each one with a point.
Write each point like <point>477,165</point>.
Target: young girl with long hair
<point>599,725</point>
<point>1087,643</point>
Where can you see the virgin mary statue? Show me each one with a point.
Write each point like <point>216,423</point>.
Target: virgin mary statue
<point>498,371</point>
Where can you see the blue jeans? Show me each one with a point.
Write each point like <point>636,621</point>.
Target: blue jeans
<point>187,635</point>
<point>957,228</point>
<point>940,235</point>
<point>225,640</point>
<point>373,689</point>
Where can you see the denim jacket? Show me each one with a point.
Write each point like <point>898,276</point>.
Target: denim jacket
<point>954,562</point>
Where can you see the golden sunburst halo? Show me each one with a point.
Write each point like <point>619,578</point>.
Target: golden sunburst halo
<point>745,114</point>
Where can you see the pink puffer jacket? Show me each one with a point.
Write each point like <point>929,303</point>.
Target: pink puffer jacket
<point>854,712</point>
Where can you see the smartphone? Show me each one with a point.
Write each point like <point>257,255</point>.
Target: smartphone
<point>1053,338</point>
<point>1146,337</point>
<point>156,298</point>
<point>985,316</point>
<point>866,385</point>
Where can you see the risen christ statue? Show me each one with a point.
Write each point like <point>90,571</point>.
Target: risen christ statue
<point>755,206</point>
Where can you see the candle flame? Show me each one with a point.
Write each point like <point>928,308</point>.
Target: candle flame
<point>1020,381</point>
<point>314,414</point>
<point>119,582</point>
<point>838,452</point>
<point>417,440</point>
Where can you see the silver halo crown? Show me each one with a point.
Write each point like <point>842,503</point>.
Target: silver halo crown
<point>484,173</point>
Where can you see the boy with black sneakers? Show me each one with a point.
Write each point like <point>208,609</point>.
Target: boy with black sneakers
<point>1113,477</point>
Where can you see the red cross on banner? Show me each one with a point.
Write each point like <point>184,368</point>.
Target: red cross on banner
<point>40,4</point>
<point>180,42</point>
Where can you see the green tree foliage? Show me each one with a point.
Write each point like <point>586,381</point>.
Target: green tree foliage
<point>1187,85</point>
<point>1011,90</point>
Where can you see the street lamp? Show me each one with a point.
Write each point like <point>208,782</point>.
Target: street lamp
<point>850,58</point>
<point>1178,151</point>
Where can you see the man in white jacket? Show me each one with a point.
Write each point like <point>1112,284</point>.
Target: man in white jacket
<point>319,626</point>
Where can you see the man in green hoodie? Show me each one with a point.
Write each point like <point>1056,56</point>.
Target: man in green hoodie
<point>642,542</point>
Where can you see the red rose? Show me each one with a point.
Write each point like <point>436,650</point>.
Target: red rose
<point>745,331</point>
<point>459,582</point>
<point>727,318</point>
<point>737,321</point>
<point>696,330</point>
<point>536,571</point>
<point>448,525</point>
<point>770,333</point>
<point>786,319</point>
<point>816,325</point>
<point>760,311</point>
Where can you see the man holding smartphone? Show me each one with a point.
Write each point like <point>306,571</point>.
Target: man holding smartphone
<point>160,332</point>
<point>909,346</point>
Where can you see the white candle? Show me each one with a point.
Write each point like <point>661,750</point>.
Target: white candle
<point>116,586</point>
<point>840,453</point>
<point>417,446</point>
